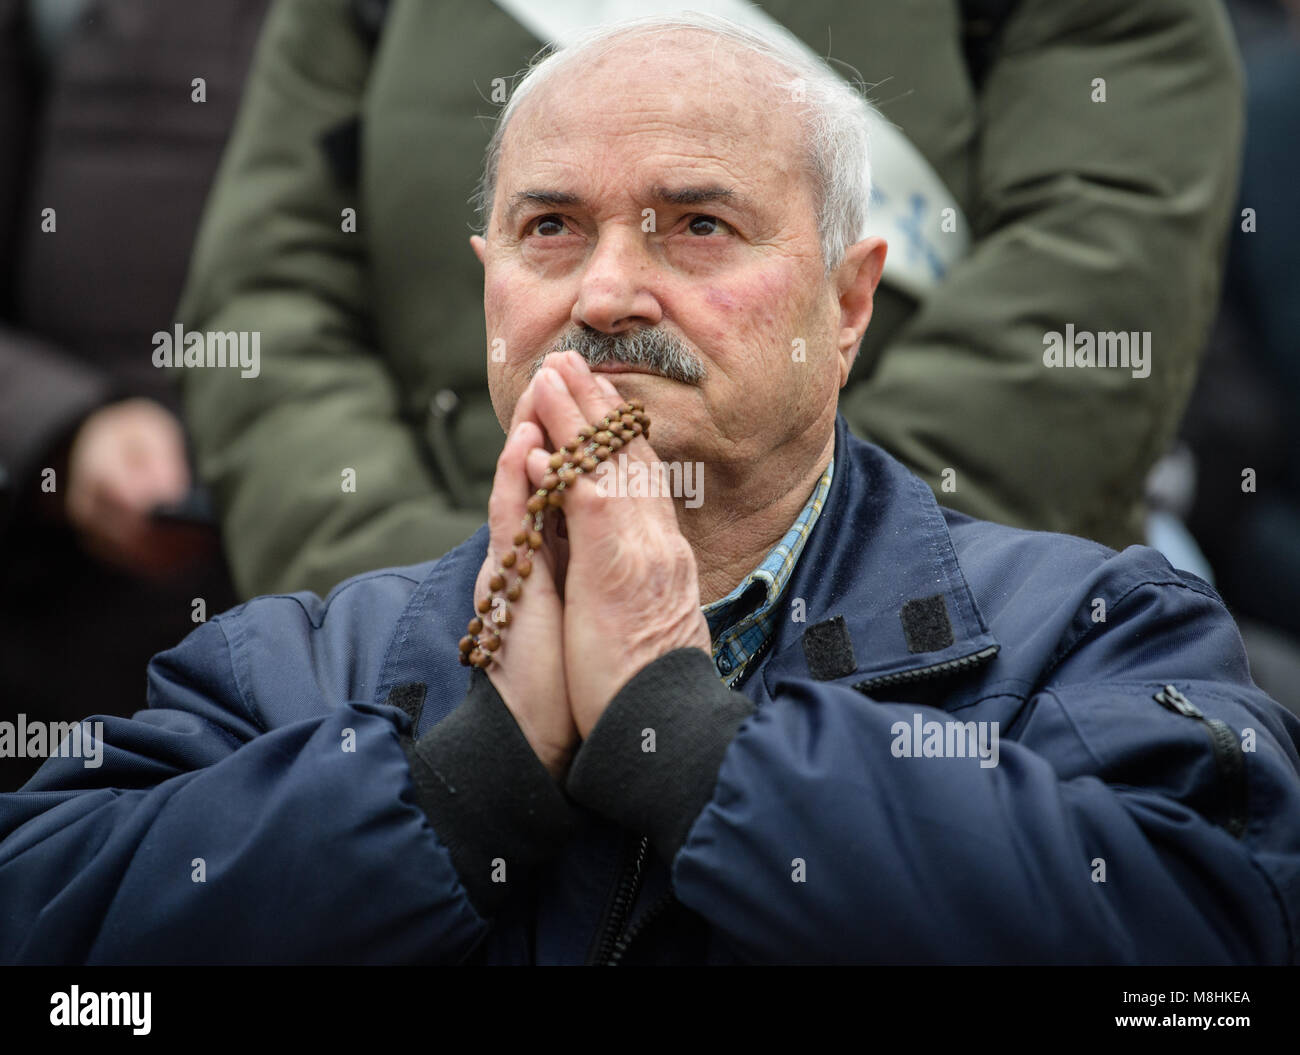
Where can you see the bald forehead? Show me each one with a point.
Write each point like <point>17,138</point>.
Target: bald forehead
<point>712,96</point>
<point>689,62</point>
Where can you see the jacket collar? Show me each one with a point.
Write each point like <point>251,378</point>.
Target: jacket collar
<point>877,596</point>
<point>884,598</point>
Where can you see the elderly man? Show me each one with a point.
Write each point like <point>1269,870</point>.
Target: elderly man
<point>809,717</point>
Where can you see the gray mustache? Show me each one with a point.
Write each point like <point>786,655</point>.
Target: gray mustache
<point>657,351</point>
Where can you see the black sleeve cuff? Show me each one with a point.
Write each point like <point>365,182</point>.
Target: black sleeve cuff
<point>487,795</point>
<point>660,792</point>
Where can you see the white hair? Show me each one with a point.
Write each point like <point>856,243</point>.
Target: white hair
<point>834,114</point>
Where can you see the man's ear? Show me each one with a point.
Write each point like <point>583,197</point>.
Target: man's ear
<point>480,246</point>
<point>855,283</point>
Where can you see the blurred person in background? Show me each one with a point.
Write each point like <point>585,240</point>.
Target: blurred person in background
<point>107,148</point>
<point>1241,433</point>
<point>1042,164</point>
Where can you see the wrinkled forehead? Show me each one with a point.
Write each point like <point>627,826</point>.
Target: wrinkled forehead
<point>645,108</point>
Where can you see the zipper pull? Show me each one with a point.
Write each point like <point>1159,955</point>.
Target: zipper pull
<point>1176,701</point>
<point>1228,759</point>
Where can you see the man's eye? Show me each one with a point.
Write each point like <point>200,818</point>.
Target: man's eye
<point>548,226</point>
<point>705,225</point>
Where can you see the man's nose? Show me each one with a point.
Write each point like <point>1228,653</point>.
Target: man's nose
<point>615,293</point>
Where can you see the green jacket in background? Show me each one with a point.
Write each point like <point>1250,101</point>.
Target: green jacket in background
<point>1109,216</point>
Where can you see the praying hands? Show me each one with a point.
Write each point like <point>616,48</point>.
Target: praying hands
<point>590,610</point>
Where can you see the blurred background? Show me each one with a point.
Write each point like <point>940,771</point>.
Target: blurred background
<point>130,511</point>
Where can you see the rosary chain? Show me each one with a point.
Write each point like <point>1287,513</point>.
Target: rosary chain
<point>593,445</point>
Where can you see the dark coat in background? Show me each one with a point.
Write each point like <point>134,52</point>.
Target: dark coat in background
<point>97,123</point>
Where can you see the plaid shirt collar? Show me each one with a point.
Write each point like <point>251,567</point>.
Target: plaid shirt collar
<point>741,623</point>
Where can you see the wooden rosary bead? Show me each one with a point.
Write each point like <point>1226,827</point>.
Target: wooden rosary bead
<point>596,443</point>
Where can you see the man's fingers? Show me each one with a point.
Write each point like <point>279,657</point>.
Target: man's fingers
<point>538,465</point>
<point>556,409</point>
<point>568,396</point>
<point>552,554</point>
<point>526,408</point>
<point>594,393</point>
<point>511,486</point>
<point>520,468</point>
<point>597,396</point>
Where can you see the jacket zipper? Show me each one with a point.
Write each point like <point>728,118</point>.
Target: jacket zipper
<point>951,666</point>
<point>652,915</point>
<point>621,906</point>
<point>1228,757</point>
<point>613,942</point>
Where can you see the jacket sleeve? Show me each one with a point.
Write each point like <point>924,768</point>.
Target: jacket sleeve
<point>1110,216</point>
<point>1103,833</point>
<point>272,258</point>
<point>205,832</point>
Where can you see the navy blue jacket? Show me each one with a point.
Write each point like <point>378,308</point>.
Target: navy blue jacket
<point>353,796</point>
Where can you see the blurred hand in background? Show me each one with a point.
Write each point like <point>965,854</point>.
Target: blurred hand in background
<point>125,460</point>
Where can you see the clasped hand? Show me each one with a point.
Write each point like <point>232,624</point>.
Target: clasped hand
<point>619,592</point>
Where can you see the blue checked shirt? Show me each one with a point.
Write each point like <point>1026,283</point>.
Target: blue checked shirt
<point>741,623</point>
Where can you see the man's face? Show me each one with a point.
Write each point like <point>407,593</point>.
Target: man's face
<point>663,185</point>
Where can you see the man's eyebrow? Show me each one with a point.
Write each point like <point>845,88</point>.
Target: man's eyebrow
<point>705,195</point>
<point>540,197</point>
<point>701,196</point>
